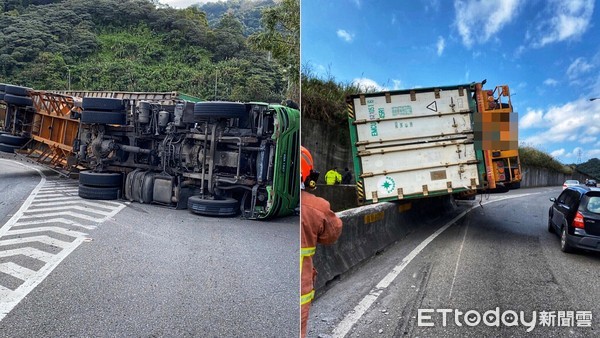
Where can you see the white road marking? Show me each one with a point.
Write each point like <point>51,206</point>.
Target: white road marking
<point>50,205</point>
<point>342,329</point>
<point>462,244</point>
<point>16,270</point>
<point>40,239</point>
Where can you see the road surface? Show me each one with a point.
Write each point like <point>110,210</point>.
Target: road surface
<point>74,267</point>
<point>498,258</point>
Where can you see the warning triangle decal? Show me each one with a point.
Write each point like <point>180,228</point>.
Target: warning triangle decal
<point>433,106</point>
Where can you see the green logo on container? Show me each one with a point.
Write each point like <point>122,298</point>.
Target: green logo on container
<point>387,185</point>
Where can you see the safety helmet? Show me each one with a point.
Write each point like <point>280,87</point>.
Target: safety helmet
<point>308,175</point>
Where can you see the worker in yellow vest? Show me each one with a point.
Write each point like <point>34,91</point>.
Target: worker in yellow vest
<point>333,177</point>
<point>319,225</point>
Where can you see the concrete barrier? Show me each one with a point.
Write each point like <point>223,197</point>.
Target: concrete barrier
<point>370,229</point>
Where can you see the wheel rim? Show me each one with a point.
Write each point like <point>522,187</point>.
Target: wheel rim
<point>563,238</point>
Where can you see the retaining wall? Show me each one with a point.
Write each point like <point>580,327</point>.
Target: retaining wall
<point>370,229</point>
<point>541,177</point>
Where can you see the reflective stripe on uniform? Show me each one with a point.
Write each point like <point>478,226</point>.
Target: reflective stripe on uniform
<point>306,252</point>
<point>304,299</point>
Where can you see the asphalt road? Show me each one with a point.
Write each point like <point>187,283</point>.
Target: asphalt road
<point>139,270</point>
<point>499,257</point>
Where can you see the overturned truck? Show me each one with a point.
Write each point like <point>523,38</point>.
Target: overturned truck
<point>214,158</point>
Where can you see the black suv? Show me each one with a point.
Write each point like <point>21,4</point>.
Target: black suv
<point>575,216</point>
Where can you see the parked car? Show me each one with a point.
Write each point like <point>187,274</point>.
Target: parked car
<point>570,183</point>
<point>575,217</point>
<point>591,183</point>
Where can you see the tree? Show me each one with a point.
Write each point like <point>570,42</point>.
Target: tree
<point>281,37</point>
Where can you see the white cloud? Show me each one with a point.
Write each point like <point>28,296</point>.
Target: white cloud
<point>433,5</point>
<point>579,67</point>
<point>573,121</point>
<point>367,85</point>
<point>441,44</point>
<point>550,82</point>
<point>566,20</point>
<point>533,118</point>
<point>394,19</point>
<point>344,35</point>
<point>473,16</point>
<point>558,153</point>
<point>397,84</point>
<point>588,139</point>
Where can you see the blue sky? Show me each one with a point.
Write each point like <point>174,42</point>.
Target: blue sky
<point>548,52</point>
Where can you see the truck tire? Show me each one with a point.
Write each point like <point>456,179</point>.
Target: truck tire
<point>99,193</point>
<point>2,87</point>
<point>103,117</point>
<point>564,245</point>
<point>16,90</point>
<point>18,100</point>
<point>8,148</point>
<point>2,96</point>
<point>206,207</point>
<point>220,109</point>
<point>13,140</point>
<point>103,104</point>
<point>93,179</point>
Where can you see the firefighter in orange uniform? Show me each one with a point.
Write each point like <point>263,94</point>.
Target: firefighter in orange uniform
<point>319,225</point>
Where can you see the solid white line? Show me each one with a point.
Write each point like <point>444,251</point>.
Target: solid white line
<point>342,329</point>
<point>69,207</point>
<point>27,202</point>
<point>458,260</point>
<point>29,252</point>
<point>16,270</point>
<point>40,239</point>
<point>44,195</point>
<point>64,213</point>
<point>36,204</point>
<point>10,300</point>
<point>65,198</point>
<point>63,231</point>
<point>55,220</point>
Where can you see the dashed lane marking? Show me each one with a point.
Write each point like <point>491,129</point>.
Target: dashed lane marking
<point>40,235</point>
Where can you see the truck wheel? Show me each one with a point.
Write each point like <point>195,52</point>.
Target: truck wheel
<point>103,117</point>
<point>220,109</point>
<point>102,103</point>
<point>2,87</point>
<point>16,90</point>
<point>93,179</point>
<point>18,100</point>
<point>1,96</point>
<point>8,148</point>
<point>206,207</point>
<point>99,193</point>
<point>13,140</point>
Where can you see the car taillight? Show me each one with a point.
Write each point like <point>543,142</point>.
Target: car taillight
<point>578,221</point>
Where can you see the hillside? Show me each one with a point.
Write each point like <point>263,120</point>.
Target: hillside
<point>134,45</point>
<point>591,168</point>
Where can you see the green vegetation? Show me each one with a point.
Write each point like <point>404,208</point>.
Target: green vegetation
<point>536,158</point>
<point>591,168</point>
<point>325,99</point>
<point>136,45</point>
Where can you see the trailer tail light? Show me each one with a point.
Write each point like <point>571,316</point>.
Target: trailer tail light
<point>578,221</point>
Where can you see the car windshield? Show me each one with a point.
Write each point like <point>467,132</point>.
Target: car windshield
<point>593,204</point>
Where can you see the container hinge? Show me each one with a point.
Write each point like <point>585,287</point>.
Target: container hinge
<point>437,93</point>
<point>461,91</point>
<point>400,193</point>
<point>425,190</point>
<point>374,194</point>
<point>363,101</point>
<point>388,98</point>
<point>413,95</point>
<point>473,184</point>
<point>449,186</point>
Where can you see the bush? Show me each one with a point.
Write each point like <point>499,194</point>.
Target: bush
<point>536,158</point>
